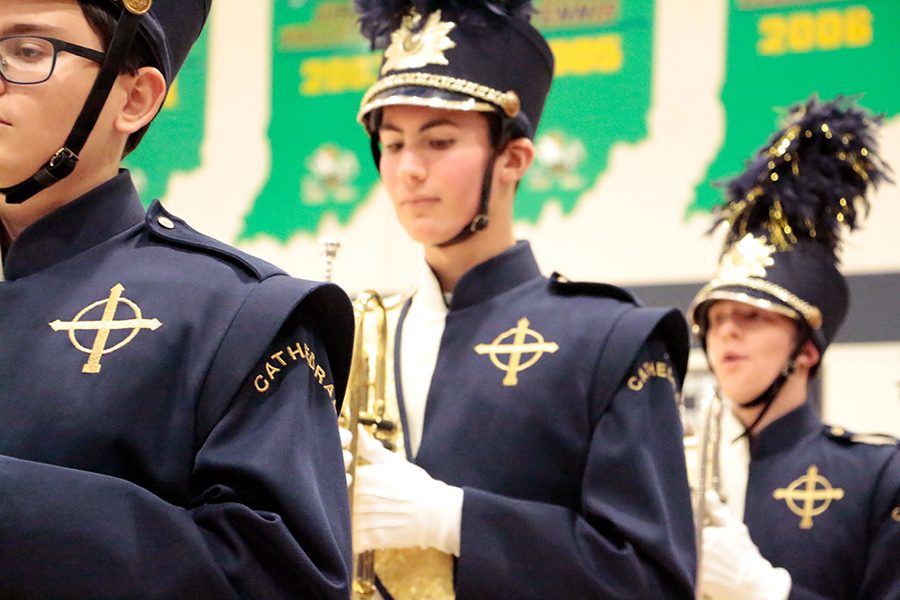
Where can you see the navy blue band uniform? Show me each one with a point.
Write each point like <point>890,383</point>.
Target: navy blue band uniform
<point>818,501</point>
<point>822,503</point>
<point>552,404</point>
<point>168,406</point>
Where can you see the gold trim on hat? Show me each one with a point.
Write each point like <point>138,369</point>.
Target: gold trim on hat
<point>507,101</point>
<point>430,102</point>
<point>793,306</point>
<point>743,298</point>
<point>744,265</point>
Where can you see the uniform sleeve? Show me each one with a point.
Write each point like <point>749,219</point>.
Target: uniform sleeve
<point>882,575</point>
<point>632,538</point>
<point>267,514</point>
<point>798,592</point>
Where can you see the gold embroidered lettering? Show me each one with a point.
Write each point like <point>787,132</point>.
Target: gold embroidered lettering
<point>299,352</point>
<point>295,351</point>
<point>271,371</point>
<point>648,370</point>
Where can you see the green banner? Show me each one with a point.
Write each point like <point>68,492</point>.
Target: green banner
<point>778,52</point>
<point>321,67</point>
<point>781,51</point>
<point>320,163</point>
<point>172,144</point>
<point>600,96</point>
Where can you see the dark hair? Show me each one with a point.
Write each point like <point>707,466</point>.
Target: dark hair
<point>100,17</point>
<point>494,122</point>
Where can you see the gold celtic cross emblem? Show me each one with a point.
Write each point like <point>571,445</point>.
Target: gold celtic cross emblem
<point>104,325</point>
<point>516,349</point>
<point>815,489</point>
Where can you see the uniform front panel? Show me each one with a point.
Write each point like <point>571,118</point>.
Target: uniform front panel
<point>808,511</point>
<point>113,361</point>
<point>519,366</point>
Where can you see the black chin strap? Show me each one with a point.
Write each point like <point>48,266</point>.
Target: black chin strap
<point>63,162</point>
<point>768,396</point>
<point>480,220</point>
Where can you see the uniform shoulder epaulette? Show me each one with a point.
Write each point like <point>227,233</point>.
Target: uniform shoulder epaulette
<point>562,286</point>
<point>175,230</point>
<point>878,439</point>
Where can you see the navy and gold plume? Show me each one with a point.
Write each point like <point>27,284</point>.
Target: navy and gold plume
<point>811,180</point>
<point>378,18</point>
<point>786,214</point>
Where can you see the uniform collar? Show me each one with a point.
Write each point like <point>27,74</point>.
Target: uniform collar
<point>496,275</point>
<point>98,215</point>
<point>428,292</point>
<point>786,431</point>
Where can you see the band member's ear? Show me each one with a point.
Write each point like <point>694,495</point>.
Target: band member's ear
<point>809,355</point>
<point>145,93</point>
<point>515,160</point>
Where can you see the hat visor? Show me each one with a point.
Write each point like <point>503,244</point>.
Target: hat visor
<point>423,96</point>
<point>702,303</point>
<point>762,293</point>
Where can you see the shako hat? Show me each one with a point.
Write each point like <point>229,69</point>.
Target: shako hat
<point>457,54</point>
<point>785,214</point>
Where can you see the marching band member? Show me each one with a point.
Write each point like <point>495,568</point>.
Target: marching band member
<point>816,513</point>
<point>168,427</point>
<point>543,442</point>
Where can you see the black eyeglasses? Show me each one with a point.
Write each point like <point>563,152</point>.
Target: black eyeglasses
<point>29,59</point>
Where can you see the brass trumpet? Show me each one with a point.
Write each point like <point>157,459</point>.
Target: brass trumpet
<point>368,401</point>
<point>702,441</point>
<point>371,401</point>
<point>366,404</point>
<point>407,573</point>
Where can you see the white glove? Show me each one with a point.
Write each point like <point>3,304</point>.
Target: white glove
<point>346,438</point>
<point>399,505</point>
<point>731,567</point>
